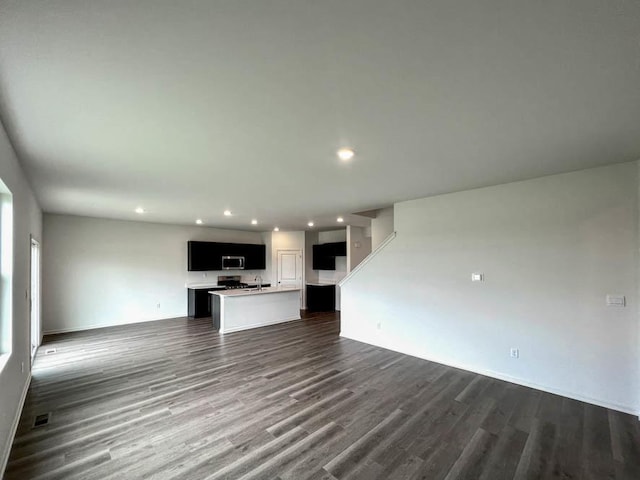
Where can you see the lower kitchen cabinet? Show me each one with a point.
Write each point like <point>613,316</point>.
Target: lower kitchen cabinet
<point>199,302</point>
<point>321,298</point>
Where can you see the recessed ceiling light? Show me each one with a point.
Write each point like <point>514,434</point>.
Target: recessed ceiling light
<point>345,154</point>
<point>227,213</point>
<point>254,222</point>
<point>310,224</point>
<point>199,221</point>
<point>276,229</point>
<point>140,210</point>
<point>340,219</point>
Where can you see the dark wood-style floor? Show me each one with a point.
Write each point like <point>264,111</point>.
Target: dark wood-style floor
<point>176,400</point>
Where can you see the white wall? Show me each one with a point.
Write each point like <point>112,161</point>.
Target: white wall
<point>358,246</point>
<point>311,275</point>
<point>551,249</point>
<point>381,226</point>
<point>27,221</point>
<point>335,276</point>
<point>331,236</point>
<point>267,240</point>
<point>310,239</point>
<point>289,241</point>
<point>99,272</point>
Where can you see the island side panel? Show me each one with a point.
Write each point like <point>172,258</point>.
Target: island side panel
<point>244,312</point>
<point>216,312</point>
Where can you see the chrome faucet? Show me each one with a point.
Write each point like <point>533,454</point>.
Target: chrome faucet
<point>259,280</point>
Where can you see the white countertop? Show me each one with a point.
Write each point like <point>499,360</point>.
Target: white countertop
<point>244,292</point>
<point>319,284</point>
<point>203,285</point>
<point>214,285</point>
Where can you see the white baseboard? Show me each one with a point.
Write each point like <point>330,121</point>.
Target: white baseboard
<point>94,327</point>
<point>507,378</point>
<point>14,428</point>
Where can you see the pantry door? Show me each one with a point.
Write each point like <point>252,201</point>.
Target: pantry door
<point>290,269</point>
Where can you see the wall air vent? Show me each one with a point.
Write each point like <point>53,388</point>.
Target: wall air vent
<point>41,420</point>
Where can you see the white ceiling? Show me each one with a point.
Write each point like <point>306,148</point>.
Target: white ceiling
<point>191,107</point>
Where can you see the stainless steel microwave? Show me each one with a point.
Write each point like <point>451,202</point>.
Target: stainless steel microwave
<point>232,263</point>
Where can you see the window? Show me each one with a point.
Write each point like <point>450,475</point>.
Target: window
<point>6,271</point>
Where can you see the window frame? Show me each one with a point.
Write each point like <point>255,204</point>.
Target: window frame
<point>6,274</point>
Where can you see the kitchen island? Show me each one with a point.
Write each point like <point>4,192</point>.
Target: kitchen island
<point>235,310</point>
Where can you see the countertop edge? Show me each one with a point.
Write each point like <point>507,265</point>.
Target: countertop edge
<point>242,293</point>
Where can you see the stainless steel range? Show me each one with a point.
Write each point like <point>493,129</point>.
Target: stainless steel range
<point>231,282</point>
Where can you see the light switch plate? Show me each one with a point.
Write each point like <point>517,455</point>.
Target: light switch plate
<point>615,300</point>
<point>477,277</point>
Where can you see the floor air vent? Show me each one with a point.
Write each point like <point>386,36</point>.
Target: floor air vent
<point>41,420</point>
<point>49,351</point>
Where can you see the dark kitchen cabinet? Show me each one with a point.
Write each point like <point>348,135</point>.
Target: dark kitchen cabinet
<point>199,301</point>
<point>207,256</point>
<point>337,249</point>
<point>255,257</point>
<point>232,249</point>
<point>321,298</point>
<point>324,255</point>
<point>322,260</point>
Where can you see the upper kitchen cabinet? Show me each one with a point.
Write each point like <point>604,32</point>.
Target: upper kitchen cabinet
<point>336,249</point>
<point>322,261</point>
<point>324,255</point>
<point>255,257</point>
<point>206,256</point>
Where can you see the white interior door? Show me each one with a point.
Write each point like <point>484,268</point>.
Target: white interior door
<point>290,269</point>
<point>34,300</point>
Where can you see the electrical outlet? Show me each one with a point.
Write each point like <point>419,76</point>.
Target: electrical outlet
<point>158,305</point>
<point>204,275</point>
<point>615,300</point>
<point>22,367</point>
<point>515,353</point>
<point>477,277</point>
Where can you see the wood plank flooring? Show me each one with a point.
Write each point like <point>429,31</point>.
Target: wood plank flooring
<point>176,400</point>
